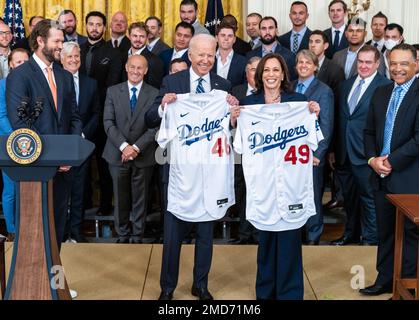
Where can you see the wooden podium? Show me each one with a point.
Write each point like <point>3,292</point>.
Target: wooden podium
<point>407,207</point>
<point>36,271</point>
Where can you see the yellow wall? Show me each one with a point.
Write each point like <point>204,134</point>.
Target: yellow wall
<point>136,10</point>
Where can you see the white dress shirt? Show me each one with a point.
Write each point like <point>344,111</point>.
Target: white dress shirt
<point>364,86</point>
<point>224,68</point>
<point>178,54</point>
<point>119,40</point>
<point>341,33</point>
<point>152,44</point>
<point>44,67</point>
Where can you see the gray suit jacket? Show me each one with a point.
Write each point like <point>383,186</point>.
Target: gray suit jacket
<point>122,126</point>
<point>199,28</point>
<point>340,59</point>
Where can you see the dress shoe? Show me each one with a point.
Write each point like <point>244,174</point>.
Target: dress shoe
<point>343,241</point>
<point>239,241</point>
<point>79,238</point>
<point>333,204</point>
<point>135,241</point>
<point>201,293</point>
<point>104,212</point>
<point>166,295</point>
<point>122,240</point>
<point>376,290</point>
<point>366,243</point>
<point>312,243</point>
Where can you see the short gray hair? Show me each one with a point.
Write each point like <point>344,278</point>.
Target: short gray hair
<point>201,37</point>
<point>68,47</point>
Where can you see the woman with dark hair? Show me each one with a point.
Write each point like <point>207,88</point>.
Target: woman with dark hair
<point>279,258</point>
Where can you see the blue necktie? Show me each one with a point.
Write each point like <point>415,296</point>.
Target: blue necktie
<point>200,87</point>
<point>133,101</point>
<point>300,88</point>
<point>353,101</point>
<point>295,43</point>
<point>336,40</point>
<point>391,116</point>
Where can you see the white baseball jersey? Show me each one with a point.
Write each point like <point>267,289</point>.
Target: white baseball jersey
<point>276,142</point>
<point>201,177</point>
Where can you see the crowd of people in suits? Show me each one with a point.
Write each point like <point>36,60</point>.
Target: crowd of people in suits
<point>112,93</point>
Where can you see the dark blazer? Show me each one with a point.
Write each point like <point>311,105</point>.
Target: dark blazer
<point>259,98</point>
<point>340,59</point>
<point>159,47</point>
<point>240,91</point>
<point>166,57</point>
<point>106,66</point>
<point>323,95</point>
<point>237,72</point>
<point>155,73</point>
<point>89,105</point>
<point>331,74</point>
<point>241,47</point>
<point>350,140</point>
<point>404,149</point>
<point>383,49</point>
<point>284,52</point>
<point>28,80</point>
<point>123,46</point>
<point>122,126</point>
<point>23,43</point>
<point>285,40</point>
<point>80,39</point>
<point>180,83</point>
<point>342,44</point>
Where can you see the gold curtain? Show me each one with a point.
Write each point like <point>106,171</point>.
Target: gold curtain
<point>136,10</point>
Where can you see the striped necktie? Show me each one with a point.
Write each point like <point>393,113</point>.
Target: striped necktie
<point>200,87</point>
<point>390,118</point>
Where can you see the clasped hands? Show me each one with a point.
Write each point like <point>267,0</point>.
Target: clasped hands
<point>381,166</point>
<point>129,154</point>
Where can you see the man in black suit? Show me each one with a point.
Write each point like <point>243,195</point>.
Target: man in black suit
<point>378,25</point>
<point>240,46</point>
<point>130,148</point>
<point>138,35</point>
<point>43,78</point>
<point>24,43</point>
<point>297,39</point>
<point>391,147</point>
<point>155,44</point>
<point>338,10</point>
<point>88,105</point>
<point>228,64</point>
<point>119,26</point>
<point>183,34</point>
<point>202,56</point>
<point>352,168</point>
<point>252,29</point>
<point>268,34</point>
<point>103,64</point>
<point>68,21</point>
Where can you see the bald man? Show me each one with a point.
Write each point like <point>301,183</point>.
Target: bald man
<point>130,148</point>
<point>119,27</point>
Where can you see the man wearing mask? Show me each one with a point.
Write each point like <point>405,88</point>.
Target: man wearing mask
<point>68,21</point>
<point>393,36</point>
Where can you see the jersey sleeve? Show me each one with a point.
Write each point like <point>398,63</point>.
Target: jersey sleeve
<point>167,127</point>
<point>315,133</point>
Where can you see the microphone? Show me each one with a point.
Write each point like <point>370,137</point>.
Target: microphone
<point>38,108</point>
<point>22,110</point>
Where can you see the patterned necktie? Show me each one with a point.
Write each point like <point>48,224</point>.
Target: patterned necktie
<point>376,44</point>
<point>133,101</point>
<point>251,44</point>
<point>200,87</point>
<point>53,87</point>
<point>390,118</point>
<point>353,101</point>
<point>336,40</point>
<point>295,43</point>
<point>300,88</point>
<point>76,87</point>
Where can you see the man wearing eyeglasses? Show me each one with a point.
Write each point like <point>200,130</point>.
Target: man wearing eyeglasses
<point>5,39</point>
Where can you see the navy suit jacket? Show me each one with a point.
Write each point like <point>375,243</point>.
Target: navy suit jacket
<point>342,44</point>
<point>180,83</point>
<point>285,40</point>
<point>323,95</point>
<point>237,72</point>
<point>404,148</point>
<point>259,98</point>
<point>284,52</point>
<point>166,57</point>
<point>28,80</point>
<point>350,140</point>
<point>89,105</point>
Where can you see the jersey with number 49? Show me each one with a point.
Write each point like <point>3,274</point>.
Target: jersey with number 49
<point>201,176</point>
<point>276,142</point>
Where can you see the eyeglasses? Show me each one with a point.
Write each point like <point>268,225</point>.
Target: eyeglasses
<point>5,33</point>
